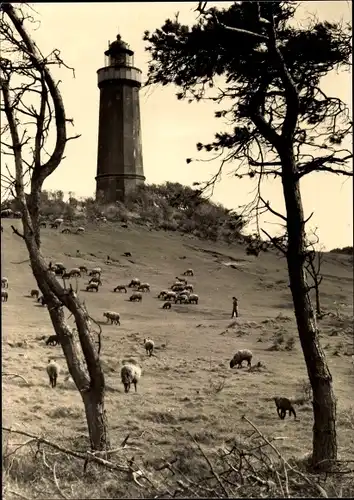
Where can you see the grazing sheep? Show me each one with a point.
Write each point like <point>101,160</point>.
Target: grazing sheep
<point>177,287</point>
<point>127,254</point>
<point>144,287</point>
<point>134,283</point>
<point>95,280</point>
<point>53,340</point>
<point>58,221</point>
<point>149,346</point>
<point>59,271</point>
<point>5,282</point>
<point>59,265</point>
<point>120,288</point>
<point>75,272</point>
<point>167,305</point>
<point>91,287</point>
<point>170,295</point>
<point>6,213</point>
<point>96,271</point>
<point>4,296</point>
<point>83,269</point>
<point>80,230</point>
<point>53,370</point>
<point>130,374</point>
<point>136,297</point>
<point>181,280</point>
<point>283,405</point>
<point>189,288</point>
<point>17,215</point>
<point>42,224</point>
<point>34,293</point>
<point>162,294</point>
<point>189,272</point>
<point>240,356</point>
<point>193,298</point>
<point>54,225</point>
<point>66,275</point>
<point>182,298</point>
<point>66,230</point>
<point>113,317</point>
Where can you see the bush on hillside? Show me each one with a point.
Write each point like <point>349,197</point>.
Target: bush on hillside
<point>344,250</point>
<point>169,206</point>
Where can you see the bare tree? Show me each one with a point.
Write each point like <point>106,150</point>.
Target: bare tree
<point>34,118</point>
<point>282,125</point>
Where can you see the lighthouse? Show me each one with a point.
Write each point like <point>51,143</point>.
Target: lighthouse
<point>119,155</point>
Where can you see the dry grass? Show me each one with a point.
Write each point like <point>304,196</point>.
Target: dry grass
<point>187,386</point>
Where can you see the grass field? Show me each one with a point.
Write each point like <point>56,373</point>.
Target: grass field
<point>188,385</point>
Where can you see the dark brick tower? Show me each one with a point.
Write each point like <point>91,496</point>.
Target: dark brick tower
<point>119,156</point>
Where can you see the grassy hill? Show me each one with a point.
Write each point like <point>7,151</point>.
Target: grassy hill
<point>188,385</point>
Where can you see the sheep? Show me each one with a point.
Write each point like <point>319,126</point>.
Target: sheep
<point>53,225</point>
<point>162,294</point>
<point>193,298</point>
<point>91,287</point>
<point>134,283</point>
<point>53,370</point>
<point>136,297</point>
<point>189,272</point>
<point>240,356</point>
<point>34,293</point>
<point>66,275</point>
<point>144,287</point>
<point>42,224</point>
<point>80,230</point>
<point>181,280</point>
<point>66,230</point>
<point>52,340</point>
<point>4,296</point>
<point>113,316</point>
<point>149,346</point>
<point>97,271</point>
<point>170,295</point>
<point>6,213</point>
<point>83,269</point>
<point>59,265</point>
<point>120,288</point>
<point>182,298</point>
<point>17,215</point>
<point>75,272</point>
<point>283,405</point>
<point>130,374</point>
<point>95,280</point>
<point>5,282</point>
<point>59,221</point>
<point>167,305</point>
<point>177,287</point>
<point>189,288</point>
<point>127,254</point>
<point>59,271</point>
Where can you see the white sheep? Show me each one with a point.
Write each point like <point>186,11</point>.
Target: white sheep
<point>193,298</point>
<point>136,297</point>
<point>170,295</point>
<point>240,356</point>
<point>189,272</point>
<point>80,229</point>
<point>75,272</point>
<point>189,288</point>
<point>4,282</point>
<point>162,294</point>
<point>59,221</point>
<point>182,298</point>
<point>149,346</point>
<point>144,287</point>
<point>134,283</point>
<point>113,316</point>
<point>53,370</point>
<point>130,374</point>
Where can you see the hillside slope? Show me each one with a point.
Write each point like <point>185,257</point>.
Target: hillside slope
<point>188,385</point>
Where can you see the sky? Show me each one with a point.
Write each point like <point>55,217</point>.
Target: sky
<point>171,128</point>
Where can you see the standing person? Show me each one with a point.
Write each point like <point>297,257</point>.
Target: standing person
<point>234,307</point>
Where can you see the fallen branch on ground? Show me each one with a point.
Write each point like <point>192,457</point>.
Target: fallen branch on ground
<point>14,375</point>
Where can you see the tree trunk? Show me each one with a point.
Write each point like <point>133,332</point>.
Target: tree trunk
<point>324,403</point>
<point>318,303</point>
<point>88,376</point>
